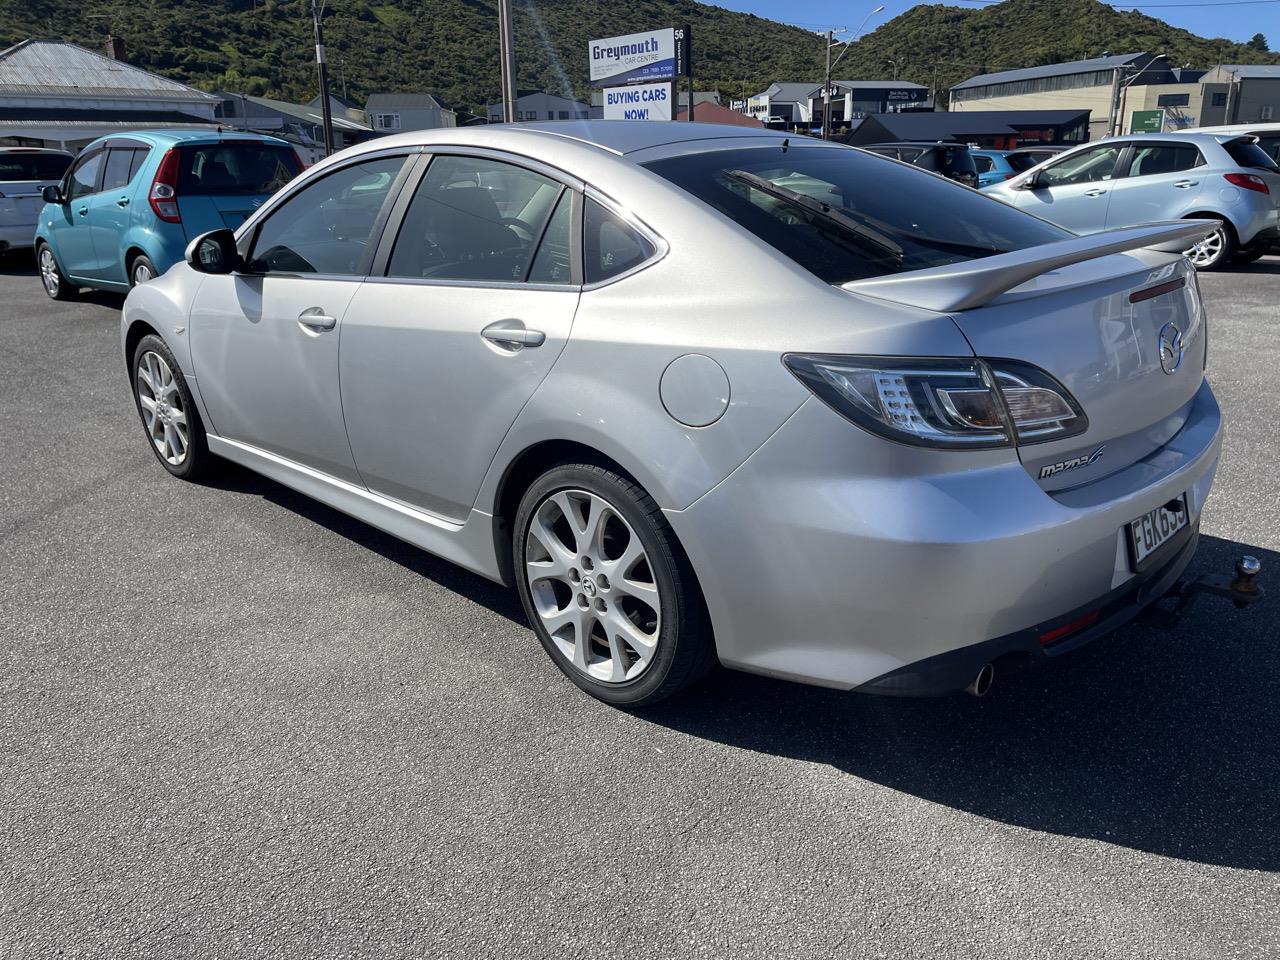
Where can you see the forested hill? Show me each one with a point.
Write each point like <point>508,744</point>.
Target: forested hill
<point>450,46</point>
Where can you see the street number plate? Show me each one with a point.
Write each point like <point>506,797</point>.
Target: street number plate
<point>1153,530</point>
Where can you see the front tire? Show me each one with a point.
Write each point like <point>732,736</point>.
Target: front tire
<point>55,283</point>
<point>1216,250</point>
<point>169,416</point>
<point>607,588</point>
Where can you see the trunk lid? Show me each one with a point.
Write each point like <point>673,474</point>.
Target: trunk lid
<point>202,213</point>
<point>1099,328</point>
<point>1095,313</point>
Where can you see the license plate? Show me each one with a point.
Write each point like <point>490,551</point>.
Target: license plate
<point>1153,530</point>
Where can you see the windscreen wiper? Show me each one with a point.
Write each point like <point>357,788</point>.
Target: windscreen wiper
<point>866,235</point>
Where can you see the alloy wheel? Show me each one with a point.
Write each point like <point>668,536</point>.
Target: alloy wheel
<point>162,411</point>
<point>141,272</point>
<point>593,586</point>
<point>49,272</point>
<point>1207,251</point>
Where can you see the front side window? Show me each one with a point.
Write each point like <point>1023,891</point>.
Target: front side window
<point>84,176</point>
<point>1150,159</point>
<point>325,227</point>
<point>473,219</point>
<point>1087,166</point>
<point>844,215</point>
<point>610,246</point>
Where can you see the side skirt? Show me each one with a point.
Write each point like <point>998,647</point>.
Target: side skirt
<point>469,544</point>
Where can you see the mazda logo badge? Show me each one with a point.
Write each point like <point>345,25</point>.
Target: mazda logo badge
<point>1171,348</point>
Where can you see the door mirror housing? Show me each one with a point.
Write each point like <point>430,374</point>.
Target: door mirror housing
<point>214,252</point>
<point>1033,182</point>
<point>53,194</point>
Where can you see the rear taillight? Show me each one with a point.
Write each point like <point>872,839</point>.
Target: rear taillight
<point>297,156</point>
<point>943,402</point>
<point>1248,181</point>
<point>164,189</point>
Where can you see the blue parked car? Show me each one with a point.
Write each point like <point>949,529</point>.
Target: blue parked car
<point>992,167</point>
<point>130,204</point>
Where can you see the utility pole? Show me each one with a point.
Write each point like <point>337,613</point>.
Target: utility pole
<point>1115,102</point>
<point>826,92</point>
<point>317,11</point>
<point>1231,91</point>
<point>506,51</point>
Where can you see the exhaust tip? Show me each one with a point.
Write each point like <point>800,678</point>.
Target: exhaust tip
<point>981,684</point>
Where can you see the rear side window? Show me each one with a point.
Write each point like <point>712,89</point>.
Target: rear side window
<point>235,168</point>
<point>845,215</point>
<point>1150,159</point>
<point>32,166</point>
<point>984,164</point>
<point>1246,153</point>
<point>610,246</point>
<point>473,219</point>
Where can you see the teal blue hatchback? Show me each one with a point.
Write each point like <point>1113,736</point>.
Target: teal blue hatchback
<point>130,204</point>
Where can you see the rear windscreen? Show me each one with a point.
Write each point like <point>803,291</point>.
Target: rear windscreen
<point>1248,154</point>
<point>847,215</point>
<point>954,160</point>
<point>32,166</point>
<point>1024,161</point>
<point>231,168</point>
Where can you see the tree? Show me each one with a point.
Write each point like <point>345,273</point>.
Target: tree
<point>1258,42</point>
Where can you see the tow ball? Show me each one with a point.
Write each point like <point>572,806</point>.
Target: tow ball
<point>1242,590</point>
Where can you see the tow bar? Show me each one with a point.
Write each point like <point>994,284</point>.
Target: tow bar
<point>1242,590</point>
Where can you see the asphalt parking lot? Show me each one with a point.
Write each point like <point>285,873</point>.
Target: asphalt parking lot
<point>236,723</point>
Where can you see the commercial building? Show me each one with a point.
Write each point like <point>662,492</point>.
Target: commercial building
<point>393,112</point>
<point>855,99</point>
<point>58,94</point>
<point>990,129</point>
<point>1243,93</point>
<point>785,104</point>
<point>540,105</point>
<point>1095,85</point>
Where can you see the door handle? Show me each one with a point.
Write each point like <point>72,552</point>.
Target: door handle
<point>513,335</point>
<point>1095,192</point>
<point>1184,184</point>
<point>122,202</point>
<point>314,319</point>
<point>84,211</point>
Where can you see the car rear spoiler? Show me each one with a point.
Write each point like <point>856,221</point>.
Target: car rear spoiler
<point>973,283</point>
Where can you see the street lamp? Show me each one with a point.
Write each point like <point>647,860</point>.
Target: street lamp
<point>831,42</point>
<point>895,67</point>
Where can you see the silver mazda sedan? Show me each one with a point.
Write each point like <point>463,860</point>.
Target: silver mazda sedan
<point>704,394</point>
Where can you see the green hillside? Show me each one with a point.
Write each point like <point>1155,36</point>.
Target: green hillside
<point>450,46</point>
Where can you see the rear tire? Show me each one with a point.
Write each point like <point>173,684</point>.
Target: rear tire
<point>55,283</point>
<point>1216,250</point>
<point>141,269</point>
<point>607,588</point>
<point>169,416</point>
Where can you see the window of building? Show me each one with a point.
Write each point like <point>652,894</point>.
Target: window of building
<point>580,114</point>
<point>386,121</point>
<point>564,114</point>
<point>551,114</point>
<point>1219,99</point>
<point>1173,100</point>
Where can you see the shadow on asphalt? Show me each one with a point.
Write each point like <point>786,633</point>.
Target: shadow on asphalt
<point>1166,742</point>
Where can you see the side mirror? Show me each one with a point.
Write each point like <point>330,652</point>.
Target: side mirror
<point>214,252</point>
<point>53,194</point>
<point>1032,182</point>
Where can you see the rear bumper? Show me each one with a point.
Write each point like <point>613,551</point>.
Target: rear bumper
<point>833,557</point>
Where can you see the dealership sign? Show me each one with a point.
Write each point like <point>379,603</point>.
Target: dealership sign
<point>643,101</point>
<point>635,58</point>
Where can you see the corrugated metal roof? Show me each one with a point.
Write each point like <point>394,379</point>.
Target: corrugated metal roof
<point>403,101</point>
<point>970,123</point>
<point>306,113</point>
<point>55,67</point>
<point>1257,71</point>
<point>1051,70</point>
<point>787,92</point>
<point>878,85</point>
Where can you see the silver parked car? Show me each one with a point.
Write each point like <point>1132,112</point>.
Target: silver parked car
<point>703,392</point>
<point>24,173</point>
<point>1126,181</point>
